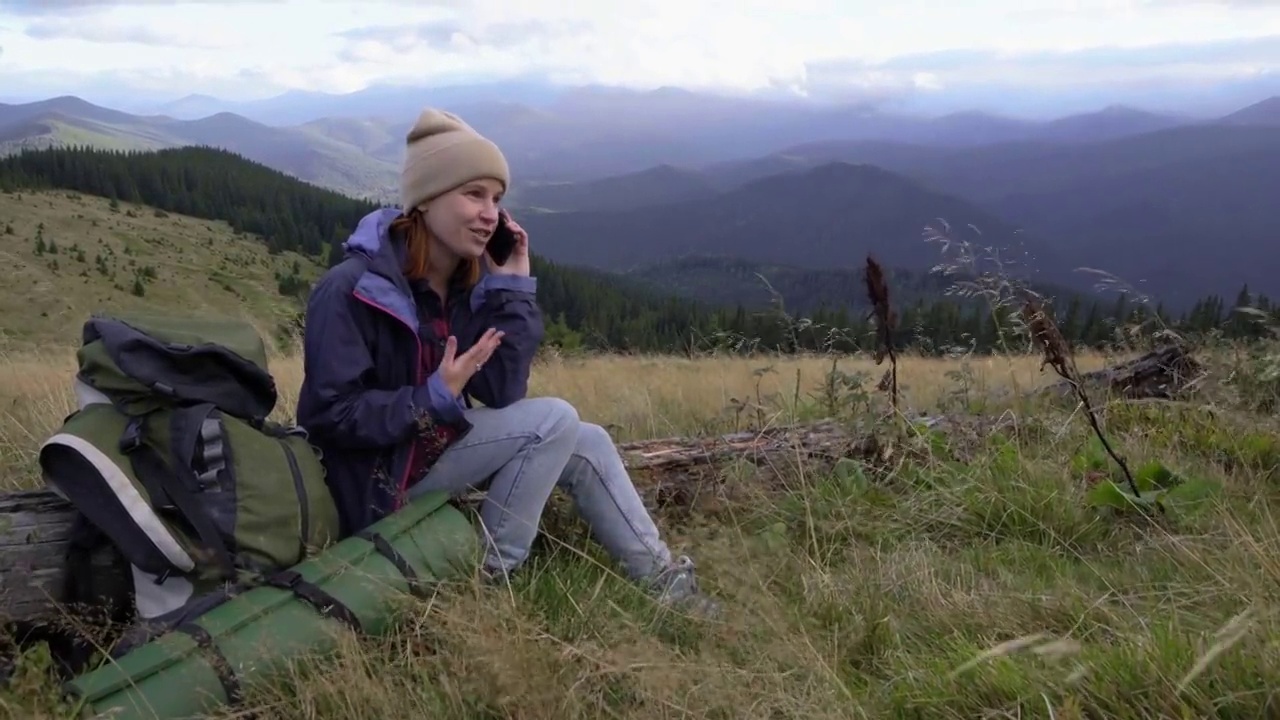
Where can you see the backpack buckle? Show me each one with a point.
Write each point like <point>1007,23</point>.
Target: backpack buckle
<point>284,579</point>
<point>131,438</point>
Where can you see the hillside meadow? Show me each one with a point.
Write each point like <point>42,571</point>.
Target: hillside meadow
<point>69,254</point>
<point>966,576</point>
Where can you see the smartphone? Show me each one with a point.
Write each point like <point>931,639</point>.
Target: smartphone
<point>503,241</point>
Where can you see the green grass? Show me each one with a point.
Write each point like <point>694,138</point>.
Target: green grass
<point>198,265</point>
<point>965,574</point>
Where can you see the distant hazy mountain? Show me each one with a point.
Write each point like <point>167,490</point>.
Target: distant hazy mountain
<point>1183,227</point>
<point>548,136</point>
<point>396,103</point>
<point>656,186</point>
<point>1266,112</point>
<point>826,218</point>
<point>1177,212</point>
<point>309,153</point>
<point>561,134</point>
<point>992,171</point>
<point>619,179</point>
<point>1049,155</point>
<point>585,135</point>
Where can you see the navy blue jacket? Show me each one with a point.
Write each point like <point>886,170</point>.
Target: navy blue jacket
<point>371,344</point>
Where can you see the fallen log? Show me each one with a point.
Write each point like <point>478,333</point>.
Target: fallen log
<point>820,439</point>
<point>35,524</point>
<point>34,529</point>
<point>1166,373</point>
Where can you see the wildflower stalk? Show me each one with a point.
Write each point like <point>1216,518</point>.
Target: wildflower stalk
<point>1045,333</point>
<point>878,294</point>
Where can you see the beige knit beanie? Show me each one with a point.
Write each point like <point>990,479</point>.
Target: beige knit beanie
<point>444,152</point>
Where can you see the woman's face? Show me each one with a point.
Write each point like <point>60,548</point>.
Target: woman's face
<point>463,219</point>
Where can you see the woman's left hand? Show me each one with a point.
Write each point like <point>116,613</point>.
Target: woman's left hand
<point>518,263</point>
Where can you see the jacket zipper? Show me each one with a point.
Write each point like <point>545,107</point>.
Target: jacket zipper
<point>437,353</point>
<point>417,365</point>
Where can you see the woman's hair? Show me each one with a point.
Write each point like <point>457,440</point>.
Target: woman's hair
<point>417,237</point>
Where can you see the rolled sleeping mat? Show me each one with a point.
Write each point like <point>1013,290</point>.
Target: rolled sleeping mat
<point>250,639</point>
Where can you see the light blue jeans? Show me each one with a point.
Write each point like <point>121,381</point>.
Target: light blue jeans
<point>518,455</point>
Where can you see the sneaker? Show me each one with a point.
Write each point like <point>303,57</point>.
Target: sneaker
<point>677,586</point>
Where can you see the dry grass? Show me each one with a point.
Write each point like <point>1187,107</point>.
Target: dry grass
<point>972,580</point>
<point>635,397</point>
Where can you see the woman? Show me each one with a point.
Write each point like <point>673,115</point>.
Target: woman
<point>410,326</point>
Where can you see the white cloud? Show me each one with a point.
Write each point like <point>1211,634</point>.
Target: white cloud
<point>108,32</point>
<point>59,8</point>
<point>241,48</point>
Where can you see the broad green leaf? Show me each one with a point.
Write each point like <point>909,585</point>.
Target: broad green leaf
<point>1193,491</point>
<point>1108,494</point>
<point>1154,475</point>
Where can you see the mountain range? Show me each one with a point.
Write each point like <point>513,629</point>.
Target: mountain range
<point>1174,213</point>
<point>354,142</point>
<point>1178,206</point>
<point>341,154</point>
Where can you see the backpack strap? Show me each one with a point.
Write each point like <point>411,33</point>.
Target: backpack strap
<point>315,596</point>
<point>150,470</point>
<point>174,486</point>
<point>227,678</point>
<point>281,434</point>
<point>388,551</point>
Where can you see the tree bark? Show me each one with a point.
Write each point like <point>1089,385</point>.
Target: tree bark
<point>1167,373</point>
<point>33,537</point>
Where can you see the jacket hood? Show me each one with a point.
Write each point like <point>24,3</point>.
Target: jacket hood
<point>372,238</point>
<point>383,284</point>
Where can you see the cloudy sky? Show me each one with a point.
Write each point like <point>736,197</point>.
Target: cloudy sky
<point>240,49</point>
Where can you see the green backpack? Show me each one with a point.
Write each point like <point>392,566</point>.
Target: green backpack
<point>172,464</point>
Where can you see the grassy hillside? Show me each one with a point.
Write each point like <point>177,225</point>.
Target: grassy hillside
<point>324,155</point>
<point>967,577</point>
<point>55,131</point>
<point>74,254</point>
<point>293,216</point>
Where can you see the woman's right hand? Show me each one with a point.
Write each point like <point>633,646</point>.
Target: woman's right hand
<point>457,371</point>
